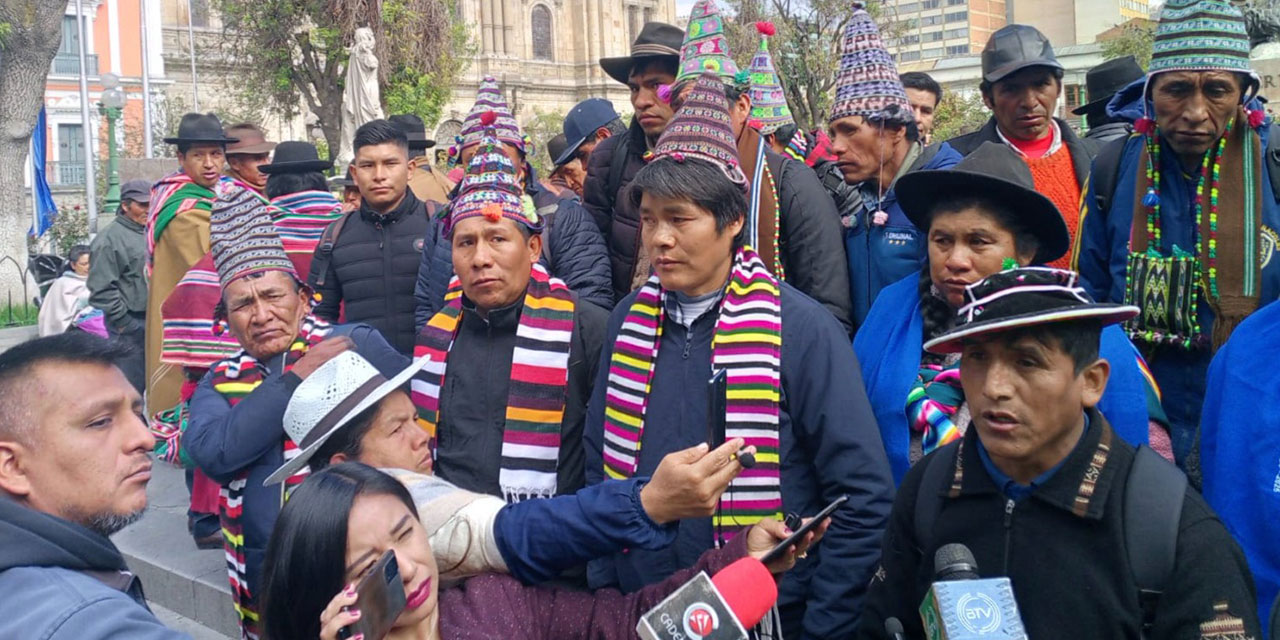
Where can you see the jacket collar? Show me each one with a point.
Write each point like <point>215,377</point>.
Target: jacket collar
<point>501,319</point>
<point>129,223</point>
<point>407,207</point>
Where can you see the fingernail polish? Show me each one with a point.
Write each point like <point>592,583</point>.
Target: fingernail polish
<point>355,613</point>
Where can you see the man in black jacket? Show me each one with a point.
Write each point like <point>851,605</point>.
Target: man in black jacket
<point>1040,458</point>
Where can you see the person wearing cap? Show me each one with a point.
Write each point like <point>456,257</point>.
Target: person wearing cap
<point>1102,82</point>
<point>513,352</point>
<point>713,305</point>
<point>588,123</point>
<point>235,433</point>
<point>652,63</point>
<point>925,94</point>
<point>875,141</point>
<point>248,154</point>
<point>118,275</point>
<point>978,218</point>
<point>1186,224</point>
<point>1044,461</point>
<point>1021,82</point>
<point>565,179</point>
<point>427,183</point>
<point>350,192</point>
<point>297,188</point>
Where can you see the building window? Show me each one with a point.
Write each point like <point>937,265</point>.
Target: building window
<point>1075,96</point>
<point>934,36</point>
<point>962,32</point>
<point>910,39</point>
<point>956,3</point>
<point>930,4</point>
<point>932,53</point>
<point>648,16</point>
<point>958,16</point>
<point>958,50</point>
<point>540,23</point>
<point>633,18</point>
<point>928,21</point>
<point>908,56</point>
<point>910,7</point>
<point>199,12</point>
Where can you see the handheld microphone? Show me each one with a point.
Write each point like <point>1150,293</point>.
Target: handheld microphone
<point>963,606</point>
<point>893,628</point>
<point>720,607</point>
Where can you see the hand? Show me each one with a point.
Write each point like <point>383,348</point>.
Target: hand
<point>767,534</point>
<point>320,354</point>
<point>688,483</point>
<point>348,207</point>
<point>340,613</point>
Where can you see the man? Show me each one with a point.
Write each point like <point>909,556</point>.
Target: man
<point>349,191</point>
<point>74,468</point>
<point>875,141</point>
<point>235,434</point>
<point>296,187</point>
<point>791,222</point>
<point>589,123</point>
<point>574,250</point>
<point>615,161</point>
<point>1103,82</point>
<point>118,277</point>
<point>1041,459</point>
<point>565,179</point>
<point>513,352</point>
<point>427,183</point>
<point>1197,265</point>
<point>712,305</point>
<point>1021,82</point>
<point>925,94</point>
<point>246,157</point>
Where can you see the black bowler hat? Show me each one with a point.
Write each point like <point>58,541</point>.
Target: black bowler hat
<point>656,40</point>
<point>1014,48</point>
<point>1024,297</point>
<point>413,129</point>
<point>1104,80</point>
<point>200,127</point>
<point>295,157</point>
<point>991,171</point>
<point>556,147</point>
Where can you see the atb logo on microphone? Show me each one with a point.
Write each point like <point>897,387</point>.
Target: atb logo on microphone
<point>978,612</point>
<point>700,620</point>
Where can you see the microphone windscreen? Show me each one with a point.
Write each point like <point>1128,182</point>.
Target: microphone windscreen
<point>748,589</point>
<point>954,562</point>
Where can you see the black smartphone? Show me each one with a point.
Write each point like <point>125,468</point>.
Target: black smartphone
<point>380,599</point>
<point>717,405</point>
<point>798,534</point>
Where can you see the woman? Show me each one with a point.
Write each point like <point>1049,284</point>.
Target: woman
<point>342,519</point>
<point>68,294</point>
<point>980,217</point>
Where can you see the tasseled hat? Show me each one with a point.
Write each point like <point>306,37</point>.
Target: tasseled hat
<point>490,188</point>
<point>769,110</point>
<point>701,129</point>
<point>867,83</point>
<point>243,237</point>
<point>488,100</point>
<point>705,47</point>
<point>1201,35</point>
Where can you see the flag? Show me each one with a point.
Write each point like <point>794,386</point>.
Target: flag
<point>44,209</point>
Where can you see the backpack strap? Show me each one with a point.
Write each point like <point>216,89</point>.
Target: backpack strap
<point>1106,173</point>
<point>1153,497</point>
<point>616,165</point>
<point>324,254</point>
<point>937,477</point>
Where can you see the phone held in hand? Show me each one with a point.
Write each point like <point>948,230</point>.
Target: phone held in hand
<point>798,534</point>
<point>717,413</point>
<point>380,598</point>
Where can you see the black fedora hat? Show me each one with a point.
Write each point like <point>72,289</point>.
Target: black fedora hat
<point>200,127</point>
<point>557,147</point>
<point>413,129</point>
<point>1104,80</point>
<point>1021,298</point>
<point>991,171</point>
<point>295,157</point>
<point>656,40</point>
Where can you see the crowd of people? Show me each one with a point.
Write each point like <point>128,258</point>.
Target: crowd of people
<point>1037,343</point>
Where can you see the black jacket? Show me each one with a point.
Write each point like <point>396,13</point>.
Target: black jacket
<point>1063,549</point>
<point>373,270</point>
<point>1108,132</point>
<point>1082,150</point>
<point>617,218</point>
<point>473,402</point>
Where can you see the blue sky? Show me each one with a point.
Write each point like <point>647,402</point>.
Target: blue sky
<point>683,6</point>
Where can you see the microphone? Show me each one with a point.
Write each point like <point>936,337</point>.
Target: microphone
<point>963,606</point>
<point>893,628</point>
<point>720,607</point>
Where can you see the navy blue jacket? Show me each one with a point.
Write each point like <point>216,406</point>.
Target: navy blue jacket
<point>830,447</point>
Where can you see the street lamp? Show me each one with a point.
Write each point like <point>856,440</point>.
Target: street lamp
<point>111,106</point>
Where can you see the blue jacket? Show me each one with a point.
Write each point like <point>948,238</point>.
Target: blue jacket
<point>889,345</point>
<point>224,441</point>
<point>829,447</point>
<point>1240,445</point>
<point>574,243</point>
<point>881,255</point>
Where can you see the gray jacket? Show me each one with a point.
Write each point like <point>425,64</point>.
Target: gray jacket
<point>117,272</point>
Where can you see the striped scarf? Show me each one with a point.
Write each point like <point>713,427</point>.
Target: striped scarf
<point>932,404</point>
<point>235,378</point>
<point>539,381</point>
<point>748,346</point>
<point>171,196</point>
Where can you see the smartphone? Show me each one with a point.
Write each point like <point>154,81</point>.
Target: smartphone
<point>798,534</point>
<point>717,406</point>
<point>380,599</point>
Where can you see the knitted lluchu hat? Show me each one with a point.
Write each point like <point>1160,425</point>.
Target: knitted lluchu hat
<point>490,188</point>
<point>867,83</point>
<point>243,237</point>
<point>769,110</point>
<point>705,48</point>
<point>701,129</point>
<point>488,100</point>
<point>1201,35</point>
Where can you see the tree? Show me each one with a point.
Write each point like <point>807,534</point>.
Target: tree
<point>32,34</point>
<point>958,113</point>
<point>541,128</point>
<point>1135,39</point>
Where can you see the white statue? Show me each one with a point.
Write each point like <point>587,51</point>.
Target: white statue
<point>360,101</point>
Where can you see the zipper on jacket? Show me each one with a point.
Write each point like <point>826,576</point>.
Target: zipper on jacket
<point>688,342</point>
<point>1008,532</point>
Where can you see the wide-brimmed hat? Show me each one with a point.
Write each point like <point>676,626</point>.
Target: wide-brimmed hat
<point>991,171</point>
<point>330,398</point>
<point>249,140</point>
<point>296,157</point>
<point>1104,80</point>
<point>1014,48</point>
<point>656,40</point>
<point>584,119</point>
<point>414,129</point>
<point>1024,297</point>
<point>200,127</point>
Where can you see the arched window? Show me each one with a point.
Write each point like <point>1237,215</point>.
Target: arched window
<point>540,25</point>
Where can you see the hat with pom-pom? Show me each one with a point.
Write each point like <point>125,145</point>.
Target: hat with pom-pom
<point>705,47</point>
<point>490,188</point>
<point>489,100</point>
<point>867,83</point>
<point>701,129</point>
<point>768,103</point>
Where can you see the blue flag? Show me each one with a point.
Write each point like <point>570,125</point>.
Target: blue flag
<point>45,210</point>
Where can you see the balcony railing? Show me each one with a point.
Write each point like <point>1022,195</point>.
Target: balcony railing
<point>67,64</point>
<point>65,174</point>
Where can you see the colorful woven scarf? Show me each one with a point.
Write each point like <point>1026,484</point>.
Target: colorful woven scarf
<point>235,378</point>
<point>174,194</point>
<point>748,346</point>
<point>932,404</point>
<point>539,381</point>
<point>301,219</point>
